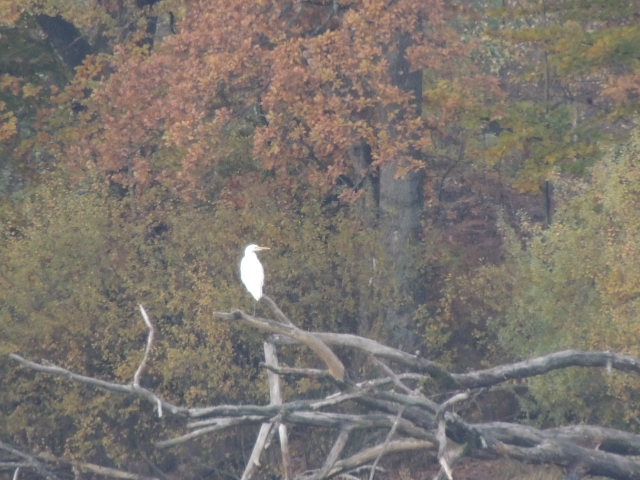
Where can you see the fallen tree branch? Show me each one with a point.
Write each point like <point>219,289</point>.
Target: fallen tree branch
<point>395,403</point>
<point>366,455</point>
<point>334,364</point>
<point>487,377</point>
<point>30,461</point>
<point>253,463</point>
<point>335,452</point>
<point>546,363</point>
<point>110,472</point>
<point>102,384</point>
<point>446,456</point>
<point>380,350</point>
<point>219,424</point>
<point>552,451</point>
<point>385,444</point>
<point>298,372</point>
<point>275,398</point>
<point>41,463</point>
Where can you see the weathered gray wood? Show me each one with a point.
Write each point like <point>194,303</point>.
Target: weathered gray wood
<point>541,365</point>
<point>275,394</point>
<point>334,364</point>
<point>147,350</point>
<point>102,384</point>
<point>410,406</point>
<point>254,459</point>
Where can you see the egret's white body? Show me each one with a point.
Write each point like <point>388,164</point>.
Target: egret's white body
<point>251,271</point>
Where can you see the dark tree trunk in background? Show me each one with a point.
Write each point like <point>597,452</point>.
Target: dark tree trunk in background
<point>401,208</point>
<point>401,204</point>
<point>366,183</point>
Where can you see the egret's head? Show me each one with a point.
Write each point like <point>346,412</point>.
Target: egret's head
<point>254,248</point>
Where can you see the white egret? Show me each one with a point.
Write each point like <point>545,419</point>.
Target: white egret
<point>251,271</point>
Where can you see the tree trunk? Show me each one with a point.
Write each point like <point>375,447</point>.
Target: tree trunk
<point>401,203</point>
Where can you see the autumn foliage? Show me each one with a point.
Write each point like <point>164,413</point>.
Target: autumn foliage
<point>287,89</point>
<point>192,128</point>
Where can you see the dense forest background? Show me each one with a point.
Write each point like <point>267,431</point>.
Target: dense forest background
<point>460,179</point>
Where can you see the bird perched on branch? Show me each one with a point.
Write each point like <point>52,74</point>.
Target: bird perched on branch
<point>251,271</point>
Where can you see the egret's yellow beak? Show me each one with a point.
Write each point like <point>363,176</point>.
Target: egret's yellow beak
<point>264,248</point>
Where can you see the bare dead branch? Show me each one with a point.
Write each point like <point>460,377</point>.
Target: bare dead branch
<point>104,385</point>
<point>412,400</point>
<point>267,411</point>
<point>276,310</point>
<point>368,454</point>
<point>254,459</point>
<point>392,375</point>
<point>490,376</point>
<point>30,461</point>
<point>299,372</point>
<point>379,350</point>
<point>334,453</point>
<point>111,472</point>
<point>220,424</point>
<point>545,364</point>
<point>602,438</point>
<point>275,394</point>
<point>446,456</point>
<point>147,350</point>
<point>305,417</point>
<point>39,463</point>
<point>395,404</point>
<point>334,364</point>
<point>593,462</point>
<point>385,445</point>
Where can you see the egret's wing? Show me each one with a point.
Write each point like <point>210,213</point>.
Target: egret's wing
<point>252,275</point>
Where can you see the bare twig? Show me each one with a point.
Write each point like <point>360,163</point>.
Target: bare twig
<point>30,461</point>
<point>334,453</point>
<point>38,463</point>
<point>298,372</point>
<point>147,350</point>
<point>392,375</point>
<point>276,310</point>
<point>220,424</point>
<point>386,443</point>
<point>108,472</point>
<point>112,472</point>
<point>368,454</point>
